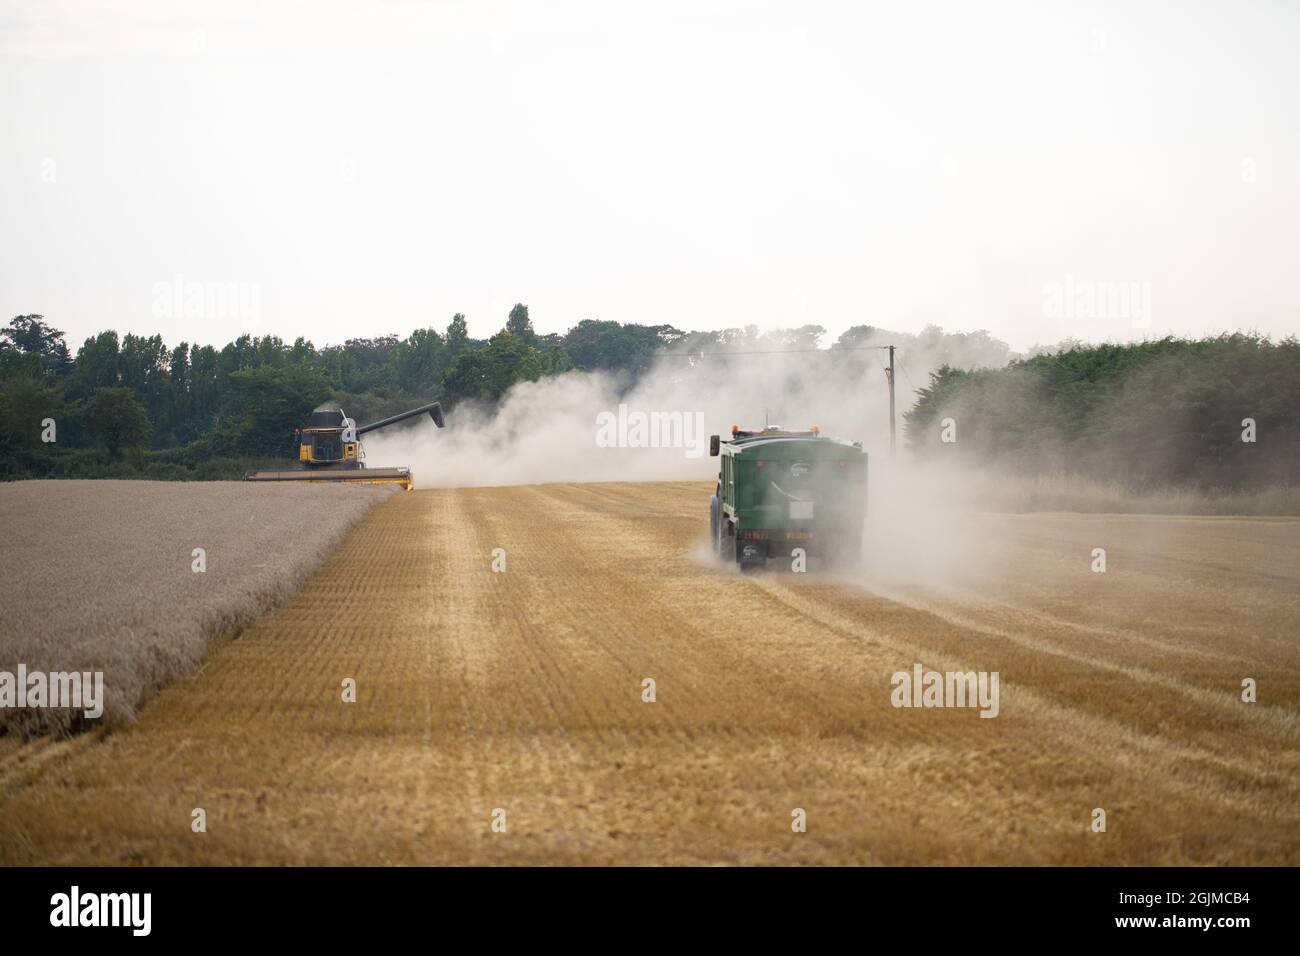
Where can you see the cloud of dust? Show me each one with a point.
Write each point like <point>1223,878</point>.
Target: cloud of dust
<point>551,431</point>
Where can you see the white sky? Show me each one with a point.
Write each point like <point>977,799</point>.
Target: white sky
<point>374,167</point>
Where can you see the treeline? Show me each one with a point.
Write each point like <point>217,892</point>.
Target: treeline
<point>132,406</point>
<point>1153,414</point>
<point>1218,413</point>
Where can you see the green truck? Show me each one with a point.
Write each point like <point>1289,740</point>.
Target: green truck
<point>780,490</point>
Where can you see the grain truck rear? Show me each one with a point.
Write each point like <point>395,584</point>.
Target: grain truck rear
<point>781,490</point>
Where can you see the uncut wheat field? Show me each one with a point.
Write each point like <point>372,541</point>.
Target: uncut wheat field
<point>500,642</point>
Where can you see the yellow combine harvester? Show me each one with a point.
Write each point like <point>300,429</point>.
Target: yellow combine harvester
<point>329,449</point>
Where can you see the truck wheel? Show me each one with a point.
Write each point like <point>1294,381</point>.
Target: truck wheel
<point>715,526</point>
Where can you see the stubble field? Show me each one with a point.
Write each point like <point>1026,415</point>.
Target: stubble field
<point>522,691</point>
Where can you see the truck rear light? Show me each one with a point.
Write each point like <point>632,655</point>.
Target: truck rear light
<point>754,535</point>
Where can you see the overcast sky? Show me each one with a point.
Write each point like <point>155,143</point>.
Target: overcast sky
<point>333,170</point>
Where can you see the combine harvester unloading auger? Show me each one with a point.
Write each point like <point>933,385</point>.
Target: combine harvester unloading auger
<point>329,449</point>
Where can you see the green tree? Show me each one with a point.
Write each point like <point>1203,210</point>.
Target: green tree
<point>362,364</point>
<point>488,373</point>
<point>98,365</point>
<point>207,385</point>
<point>457,337</point>
<point>855,336</point>
<point>302,352</point>
<point>115,420</point>
<point>15,363</point>
<point>417,361</point>
<point>520,325</point>
<point>804,337</point>
<point>1165,413</point>
<point>25,402</point>
<point>144,367</point>
<point>268,403</point>
<point>30,335</point>
<point>593,344</point>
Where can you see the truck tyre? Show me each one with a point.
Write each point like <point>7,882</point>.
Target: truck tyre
<point>715,526</point>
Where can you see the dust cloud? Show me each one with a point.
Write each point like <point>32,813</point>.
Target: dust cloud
<point>941,531</point>
<point>657,428</point>
<point>583,427</point>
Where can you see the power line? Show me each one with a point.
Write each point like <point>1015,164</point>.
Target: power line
<point>908,377</point>
<point>851,348</point>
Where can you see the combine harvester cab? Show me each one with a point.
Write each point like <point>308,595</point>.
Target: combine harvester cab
<point>329,449</point>
<point>780,490</point>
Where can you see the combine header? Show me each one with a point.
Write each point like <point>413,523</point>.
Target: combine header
<point>780,490</point>
<point>329,449</point>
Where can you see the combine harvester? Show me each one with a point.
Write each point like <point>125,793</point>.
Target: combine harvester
<point>780,490</point>
<point>329,450</point>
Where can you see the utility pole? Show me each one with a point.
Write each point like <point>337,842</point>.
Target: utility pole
<point>889,375</point>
